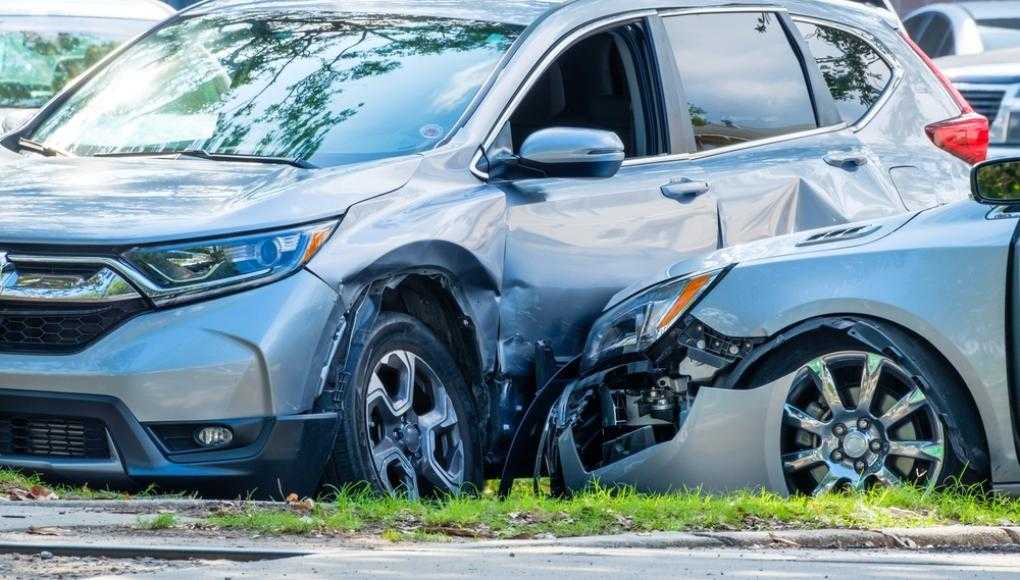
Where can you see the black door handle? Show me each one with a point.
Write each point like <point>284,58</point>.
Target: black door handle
<point>684,188</point>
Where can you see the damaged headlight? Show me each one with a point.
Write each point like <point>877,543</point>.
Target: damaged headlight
<point>212,266</point>
<point>642,319</point>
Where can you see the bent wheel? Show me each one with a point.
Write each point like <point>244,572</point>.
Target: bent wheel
<point>855,419</point>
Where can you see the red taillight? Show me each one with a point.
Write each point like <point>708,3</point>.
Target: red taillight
<point>965,136</point>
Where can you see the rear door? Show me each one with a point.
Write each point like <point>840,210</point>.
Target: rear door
<point>767,133</point>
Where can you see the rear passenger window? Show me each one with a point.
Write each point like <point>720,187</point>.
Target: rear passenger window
<point>742,77</point>
<point>854,71</point>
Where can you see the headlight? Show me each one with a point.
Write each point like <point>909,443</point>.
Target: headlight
<point>211,266</point>
<point>638,322</point>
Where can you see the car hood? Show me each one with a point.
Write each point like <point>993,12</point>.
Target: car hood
<point>830,238</point>
<point>126,201</point>
<point>994,67</point>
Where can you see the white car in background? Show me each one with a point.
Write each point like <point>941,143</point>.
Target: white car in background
<point>46,43</point>
<point>964,28</point>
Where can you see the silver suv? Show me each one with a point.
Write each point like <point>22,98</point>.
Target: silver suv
<point>275,244</point>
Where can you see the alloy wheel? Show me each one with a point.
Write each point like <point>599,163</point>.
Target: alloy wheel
<point>415,436</point>
<point>856,419</point>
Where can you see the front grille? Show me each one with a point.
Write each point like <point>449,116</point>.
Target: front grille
<point>52,436</point>
<point>985,102</point>
<point>50,328</point>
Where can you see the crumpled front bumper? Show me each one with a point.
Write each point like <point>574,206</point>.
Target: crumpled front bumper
<point>729,441</point>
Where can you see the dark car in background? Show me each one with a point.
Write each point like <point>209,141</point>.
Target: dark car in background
<point>46,43</point>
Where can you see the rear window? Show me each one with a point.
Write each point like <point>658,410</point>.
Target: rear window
<point>742,77</point>
<point>853,70</point>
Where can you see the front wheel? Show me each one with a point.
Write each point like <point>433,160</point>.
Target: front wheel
<point>857,417</point>
<point>408,421</point>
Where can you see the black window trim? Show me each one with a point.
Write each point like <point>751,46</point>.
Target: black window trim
<point>883,53</point>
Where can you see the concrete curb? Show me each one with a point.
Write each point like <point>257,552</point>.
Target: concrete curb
<point>945,537</point>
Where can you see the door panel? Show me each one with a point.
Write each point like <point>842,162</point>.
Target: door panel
<point>572,244</point>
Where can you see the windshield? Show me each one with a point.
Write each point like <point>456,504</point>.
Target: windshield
<point>39,55</point>
<point>325,88</point>
<point>999,33</point>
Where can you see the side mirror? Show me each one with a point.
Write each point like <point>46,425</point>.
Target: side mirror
<point>572,152</point>
<point>997,181</point>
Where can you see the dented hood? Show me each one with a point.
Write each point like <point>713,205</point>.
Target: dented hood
<point>818,240</point>
<point>127,201</point>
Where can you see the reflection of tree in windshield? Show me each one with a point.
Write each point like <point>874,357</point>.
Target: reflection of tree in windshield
<point>281,84</point>
<point>34,66</point>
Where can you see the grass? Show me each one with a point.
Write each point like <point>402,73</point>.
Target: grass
<point>163,521</point>
<point>13,479</point>
<point>597,511</point>
<point>602,511</point>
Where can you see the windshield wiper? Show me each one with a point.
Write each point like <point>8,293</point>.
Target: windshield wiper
<point>36,147</point>
<point>203,154</point>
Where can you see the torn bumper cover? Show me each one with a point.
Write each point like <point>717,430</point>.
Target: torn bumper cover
<point>728,440</point>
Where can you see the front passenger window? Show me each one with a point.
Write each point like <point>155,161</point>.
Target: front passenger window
<point>599,83</point>
<point>742,77</point>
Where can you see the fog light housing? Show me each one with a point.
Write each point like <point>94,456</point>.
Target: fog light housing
<point>214,436</point>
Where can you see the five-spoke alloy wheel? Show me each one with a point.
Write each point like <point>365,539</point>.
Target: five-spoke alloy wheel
<point>854,419</point>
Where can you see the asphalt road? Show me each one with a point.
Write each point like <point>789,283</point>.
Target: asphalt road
<point>446,561</point>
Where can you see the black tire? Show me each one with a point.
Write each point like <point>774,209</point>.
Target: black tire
<point>351,462</point>
<point>965,456</point>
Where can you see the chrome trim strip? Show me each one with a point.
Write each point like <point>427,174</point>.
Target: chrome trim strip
<point>737,147</point>
<point>722,9</point>
<point>104,286</point>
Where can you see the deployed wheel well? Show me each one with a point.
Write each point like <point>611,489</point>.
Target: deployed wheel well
<point>430,299</point>
<point>839,331</point>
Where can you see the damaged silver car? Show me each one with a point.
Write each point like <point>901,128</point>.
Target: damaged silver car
<point>273,244</point>
<point>878,352</point>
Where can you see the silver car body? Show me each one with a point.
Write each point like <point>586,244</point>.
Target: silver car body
<point>943,273</point>
<point>523,262</point>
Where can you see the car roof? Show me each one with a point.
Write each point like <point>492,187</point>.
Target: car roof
<point>522,12</point>
<point>125,9</point>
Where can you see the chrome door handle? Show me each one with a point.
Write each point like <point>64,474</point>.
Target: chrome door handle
<point>845,159</point>
<point>684,188</point>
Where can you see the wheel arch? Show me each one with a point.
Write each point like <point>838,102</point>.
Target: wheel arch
<point>885,336</point>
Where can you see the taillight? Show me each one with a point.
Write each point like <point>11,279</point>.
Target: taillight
<point>965,136</point>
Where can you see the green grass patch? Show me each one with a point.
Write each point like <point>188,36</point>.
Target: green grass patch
<point>163,521</point>
<point>603,511</point>
<point>13,481</point>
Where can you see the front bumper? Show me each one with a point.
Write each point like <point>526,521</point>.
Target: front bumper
<point>286,454</point>
<point>254,360</point>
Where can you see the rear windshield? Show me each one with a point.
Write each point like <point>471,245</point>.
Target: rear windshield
<point>38,55</point>
<point>999,33</point>
<point>325,88</point>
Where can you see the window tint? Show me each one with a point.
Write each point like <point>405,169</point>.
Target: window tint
<point>743,80</point>
<point>937,38</point>
<point>855,73</point>
<point>915,25</point>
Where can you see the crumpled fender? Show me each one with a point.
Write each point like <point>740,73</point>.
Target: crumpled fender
<point>730,441</point>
